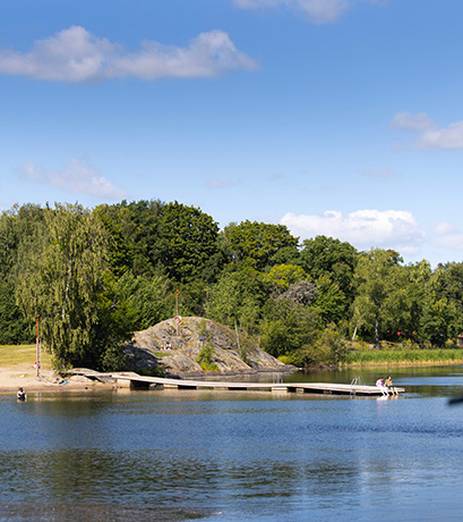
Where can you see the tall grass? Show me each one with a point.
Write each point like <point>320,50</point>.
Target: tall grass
<point>369,357</point>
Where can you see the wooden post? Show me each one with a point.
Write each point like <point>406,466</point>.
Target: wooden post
<point>177,316</point>
<point>237,333</point>
<point>37,348</point>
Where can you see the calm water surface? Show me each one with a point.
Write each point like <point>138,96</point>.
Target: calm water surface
<point>236,456</point>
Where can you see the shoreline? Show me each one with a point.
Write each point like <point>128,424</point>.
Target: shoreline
<point>14,377</point>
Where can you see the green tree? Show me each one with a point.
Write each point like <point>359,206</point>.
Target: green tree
<point>63,278</point>
<point>133,230</point>
<point>288,326</point>
<point>15,224</point>
<point>447,284</point>
<point>236,299</point>
<point>328,349</point>
<point>187,243</point>
<point>371,277</point>
<point>330,301</point>
<point>283,276</point>
<point>146,300</point>
<point>259,244</point>
<point>328,257</point>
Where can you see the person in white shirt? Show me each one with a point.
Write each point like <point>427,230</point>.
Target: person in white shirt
<point>380,384</point>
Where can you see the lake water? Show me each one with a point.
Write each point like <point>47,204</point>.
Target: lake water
<point>236,456</point>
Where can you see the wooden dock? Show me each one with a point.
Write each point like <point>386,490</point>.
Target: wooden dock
<point>136,381</point>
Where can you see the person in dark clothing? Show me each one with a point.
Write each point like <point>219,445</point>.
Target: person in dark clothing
<point>21,395</point>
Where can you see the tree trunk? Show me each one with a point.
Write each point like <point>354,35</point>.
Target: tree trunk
<point>377,344</point>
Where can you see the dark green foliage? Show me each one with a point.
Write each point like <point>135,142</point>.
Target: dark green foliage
<point>329,349</point>
<point>288,326</point>
<point>145,300</point>
<point>373,283</point>
<point>187,242</point>
<point>237,299</point>
<point>330,301</point>
<point>133,229</point>
<point>447,285</point>
<point>325,257</point>
<point>14,328</point>
<point>259,244</point>
<point>16,226</point>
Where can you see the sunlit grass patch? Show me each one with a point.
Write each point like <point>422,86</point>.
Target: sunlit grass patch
<point>23,354</point>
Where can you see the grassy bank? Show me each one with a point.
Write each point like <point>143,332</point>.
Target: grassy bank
<point>21,355</point>
<point>417,357</point>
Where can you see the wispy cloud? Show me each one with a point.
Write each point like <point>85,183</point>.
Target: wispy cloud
<point>75,55</point>
<point>406,120</point>
<point>317,11</point>
<point>449,236</point>
<point>76,178</point>
<point>363,228</point>
<point>429,134</point>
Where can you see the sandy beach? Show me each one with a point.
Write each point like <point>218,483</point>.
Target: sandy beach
<point>25,376</point>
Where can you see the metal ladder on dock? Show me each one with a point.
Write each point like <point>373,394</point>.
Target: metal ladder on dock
<point>355,381</point>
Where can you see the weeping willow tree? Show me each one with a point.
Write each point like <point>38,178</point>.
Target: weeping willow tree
<point>62,278</point>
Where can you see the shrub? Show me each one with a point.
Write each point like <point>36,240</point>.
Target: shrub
<point>206,358</point>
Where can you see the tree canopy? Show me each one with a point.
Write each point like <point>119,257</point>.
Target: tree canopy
<point>96,275</point>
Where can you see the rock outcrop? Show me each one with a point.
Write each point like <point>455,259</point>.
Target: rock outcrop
<point>197,346</point>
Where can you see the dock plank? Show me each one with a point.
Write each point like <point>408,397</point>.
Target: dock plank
<point>189,384</point>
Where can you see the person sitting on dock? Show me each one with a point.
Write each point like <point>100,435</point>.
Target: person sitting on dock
<point>380,384</point>
<point>390,385</point>
<point>21,395</point>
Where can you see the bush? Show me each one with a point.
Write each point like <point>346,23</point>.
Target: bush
<point>329,349</point>
<point>275,337</point>
<point>206,358</point>
<point>114,359</point>
<point>288,327</point>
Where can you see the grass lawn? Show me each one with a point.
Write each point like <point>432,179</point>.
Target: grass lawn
<point>23,354</point>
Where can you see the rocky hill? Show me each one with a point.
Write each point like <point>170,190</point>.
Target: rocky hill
<point>197,346</point>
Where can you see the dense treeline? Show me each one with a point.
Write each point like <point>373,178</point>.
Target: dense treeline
<point>93,276</point>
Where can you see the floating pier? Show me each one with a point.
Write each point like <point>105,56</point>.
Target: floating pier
<point>135,381</point>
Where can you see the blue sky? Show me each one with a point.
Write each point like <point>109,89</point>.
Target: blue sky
<point>341,117</point>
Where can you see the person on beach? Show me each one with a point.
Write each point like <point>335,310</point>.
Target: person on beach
<point>390,385</point>
<point>380,384</point>
<point>21,395</point>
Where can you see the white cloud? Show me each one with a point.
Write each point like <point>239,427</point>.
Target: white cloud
<point>407,120</point>
<point>450,137</point>
<point>75,55</point>
<point>429,134</point>
<point>317,11</point>
<point>363,228</point>
<point>449,236</point>
<point>77,178</point>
